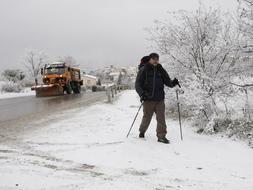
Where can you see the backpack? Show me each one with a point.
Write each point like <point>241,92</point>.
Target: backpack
<point>144,60</point>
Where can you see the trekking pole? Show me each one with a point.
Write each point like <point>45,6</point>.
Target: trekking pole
<point>134,120</point>
<point>179,116</point>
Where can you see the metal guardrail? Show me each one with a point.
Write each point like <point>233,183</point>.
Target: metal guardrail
<point>113,90</point>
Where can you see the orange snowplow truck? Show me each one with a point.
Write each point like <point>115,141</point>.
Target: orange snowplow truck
<point>58,78</point>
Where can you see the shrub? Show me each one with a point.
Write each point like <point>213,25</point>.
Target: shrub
<point>11,87</point>
<point>13,75</point>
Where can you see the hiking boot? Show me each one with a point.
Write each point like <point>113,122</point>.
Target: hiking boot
<point>163,140</point>
<point>141,135</point>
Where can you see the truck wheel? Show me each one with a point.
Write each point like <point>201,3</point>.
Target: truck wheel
<point>68,89</point>
<point>77,88</point>
<point>94,88</point>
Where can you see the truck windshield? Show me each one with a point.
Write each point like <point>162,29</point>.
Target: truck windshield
<point>54,70</point>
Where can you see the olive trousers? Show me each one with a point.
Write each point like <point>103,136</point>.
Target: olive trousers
<point>149,108</point>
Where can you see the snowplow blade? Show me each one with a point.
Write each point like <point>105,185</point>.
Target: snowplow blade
<point>48,90</point>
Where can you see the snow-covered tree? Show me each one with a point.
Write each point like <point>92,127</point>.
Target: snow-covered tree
<point>245,25</point>
<point>13,75</point>
<point>13,80</point>
<point>33,61</point>
<point>202,49</point>
<point>70,60</point>
<point>245,11</point>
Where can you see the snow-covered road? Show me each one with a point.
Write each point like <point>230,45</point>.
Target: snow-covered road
<point>12,109</point>
<point>88,150</point>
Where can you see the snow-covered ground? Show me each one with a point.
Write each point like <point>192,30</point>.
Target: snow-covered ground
<point>25,92</point>
<point>88,149</point>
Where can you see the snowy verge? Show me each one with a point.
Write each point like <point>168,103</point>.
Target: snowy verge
<point>25,92</point>
<point>89,150</point>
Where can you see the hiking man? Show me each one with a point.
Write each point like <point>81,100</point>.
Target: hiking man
<point>149,85</point>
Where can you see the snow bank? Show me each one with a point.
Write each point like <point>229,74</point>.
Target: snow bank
<point>86,148</point>
<point>24,92</point>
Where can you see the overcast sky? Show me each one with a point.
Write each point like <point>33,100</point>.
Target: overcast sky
<point>95,32</point>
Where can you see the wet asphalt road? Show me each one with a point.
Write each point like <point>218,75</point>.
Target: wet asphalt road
<point>16,108</point>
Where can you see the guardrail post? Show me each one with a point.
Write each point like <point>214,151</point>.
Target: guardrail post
<point>108,93</point>
<point>112,92</point>
<point>115,89</point>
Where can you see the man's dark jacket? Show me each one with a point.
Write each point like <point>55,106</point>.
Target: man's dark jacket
<point>150,82</point>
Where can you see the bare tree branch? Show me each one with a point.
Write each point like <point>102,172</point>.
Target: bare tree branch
<point>33,62</point>
<point>242,85</point>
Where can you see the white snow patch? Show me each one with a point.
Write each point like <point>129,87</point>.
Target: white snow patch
<point>89,150</point>
<point>25,92</point>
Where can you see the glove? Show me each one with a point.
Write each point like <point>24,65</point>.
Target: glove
<point>144,97</point>
<point>176,82</point>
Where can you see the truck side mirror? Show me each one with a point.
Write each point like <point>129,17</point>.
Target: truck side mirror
<point>41,71</point>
